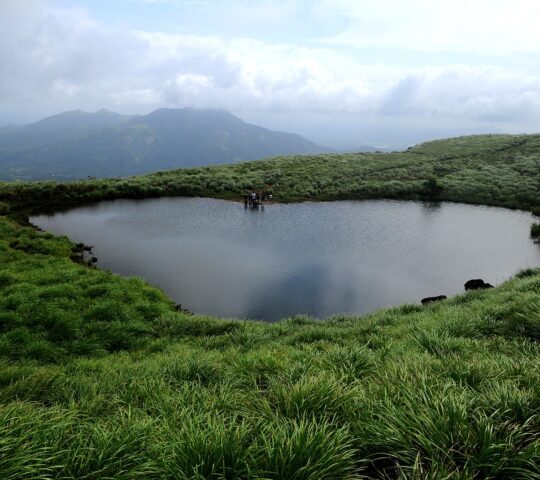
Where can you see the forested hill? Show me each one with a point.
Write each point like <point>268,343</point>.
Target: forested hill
<point>75,145</point>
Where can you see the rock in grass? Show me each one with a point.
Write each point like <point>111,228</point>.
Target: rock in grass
<point>433,299</point>
<point>477,284</point>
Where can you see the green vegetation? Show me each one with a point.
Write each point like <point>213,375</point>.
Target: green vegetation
<point>100,378</point>
<point>500,170</point>
<point>51,308</point>
<point>535,230</point>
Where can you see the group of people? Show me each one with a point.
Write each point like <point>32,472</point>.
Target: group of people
<point>254,199</point>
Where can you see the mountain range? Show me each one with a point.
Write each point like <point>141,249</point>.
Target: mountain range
<point>74,145</point>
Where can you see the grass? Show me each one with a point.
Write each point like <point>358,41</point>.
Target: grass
<point>447,391</point>
<point>500,170</point>
<point>100,377</point>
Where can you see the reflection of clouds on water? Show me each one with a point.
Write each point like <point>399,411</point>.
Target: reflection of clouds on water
<point>303,291</point>
<point>323,289</point>
<point>315,258</point>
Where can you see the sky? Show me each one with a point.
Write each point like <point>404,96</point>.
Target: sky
<point>343,73</point>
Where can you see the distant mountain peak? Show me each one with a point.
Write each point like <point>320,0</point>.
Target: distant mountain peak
<point>78,114</point>
<point>190,111</point>
<point>77,144</point>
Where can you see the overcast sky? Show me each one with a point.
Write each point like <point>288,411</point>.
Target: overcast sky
<point>342,72</point>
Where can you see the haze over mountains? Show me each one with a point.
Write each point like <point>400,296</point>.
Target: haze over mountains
<point>76,144</point>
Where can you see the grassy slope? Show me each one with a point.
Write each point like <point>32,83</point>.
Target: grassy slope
<point>100,378</point>
<point>501,170</point>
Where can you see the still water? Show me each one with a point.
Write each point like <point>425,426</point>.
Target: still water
<point>215,257</point>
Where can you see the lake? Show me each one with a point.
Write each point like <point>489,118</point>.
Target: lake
<point>216,257</point>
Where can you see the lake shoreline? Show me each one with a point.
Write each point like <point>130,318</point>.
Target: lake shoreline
<point>330,212</point>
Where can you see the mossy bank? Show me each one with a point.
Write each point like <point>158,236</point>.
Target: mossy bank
<point>101,378</point>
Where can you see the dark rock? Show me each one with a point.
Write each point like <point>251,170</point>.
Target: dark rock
<point>178,307</point>
<point>93,259</point>
<point>477,284</point>
<point>88,248</point>
<point>76,257</point>
<point>433,299</point>
<point>78,247</point>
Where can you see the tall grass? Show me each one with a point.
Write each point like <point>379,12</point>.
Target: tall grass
<point>100,378</point>
<point>451,397</point>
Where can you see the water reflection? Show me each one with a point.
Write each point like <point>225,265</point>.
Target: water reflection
<point>315,258</point>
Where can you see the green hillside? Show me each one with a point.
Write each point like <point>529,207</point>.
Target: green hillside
<point>100,377</point>
<point>501,170</point>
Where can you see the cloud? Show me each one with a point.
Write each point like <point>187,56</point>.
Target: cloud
<point>56,59</point>
<point>482,26</point>
<point>482,93</point>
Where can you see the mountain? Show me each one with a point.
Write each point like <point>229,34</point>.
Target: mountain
<point>57,128</point>
<point>76,144</point>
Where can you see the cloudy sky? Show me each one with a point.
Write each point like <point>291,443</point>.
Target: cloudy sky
<point>341,72</point>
